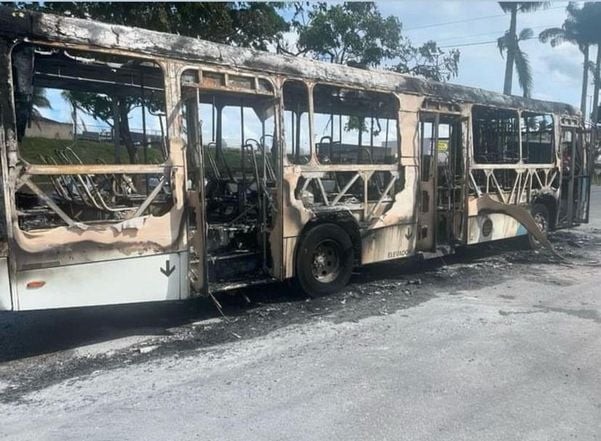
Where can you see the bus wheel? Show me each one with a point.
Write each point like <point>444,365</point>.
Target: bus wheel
<point>540,214</point>
<point>324,260</point>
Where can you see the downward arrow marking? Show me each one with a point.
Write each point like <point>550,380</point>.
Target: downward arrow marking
<point>168,270</point>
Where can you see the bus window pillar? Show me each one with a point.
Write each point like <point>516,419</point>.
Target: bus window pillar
<point>313,153</point>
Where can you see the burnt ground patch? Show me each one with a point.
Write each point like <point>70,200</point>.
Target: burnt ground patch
<point>38,348</point>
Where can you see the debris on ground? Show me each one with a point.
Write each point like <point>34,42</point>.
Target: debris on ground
<point>30,361</point>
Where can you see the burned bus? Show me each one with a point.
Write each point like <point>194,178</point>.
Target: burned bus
<point>142,166</point>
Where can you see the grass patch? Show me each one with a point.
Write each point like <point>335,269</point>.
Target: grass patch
<point>93,152</point>
<point>90,152</point>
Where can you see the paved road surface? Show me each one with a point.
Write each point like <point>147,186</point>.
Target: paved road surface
<point>503,344</point>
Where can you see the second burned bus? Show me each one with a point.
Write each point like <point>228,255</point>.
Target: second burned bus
<point>169,167</point>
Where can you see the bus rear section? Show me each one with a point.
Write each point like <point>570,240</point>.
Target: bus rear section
<point>93,188</point>
<point>490,173</point>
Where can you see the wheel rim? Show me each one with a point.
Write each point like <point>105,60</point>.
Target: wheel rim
<point>541,221</point>
<point>325,262</point>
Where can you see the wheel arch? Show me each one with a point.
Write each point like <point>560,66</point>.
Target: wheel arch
<point>344,220</point>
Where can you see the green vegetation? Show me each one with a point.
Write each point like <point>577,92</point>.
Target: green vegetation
<point>90,152</point>
<point>581,27</point>
<point>94,152</point>
<point>353,33</point>
<point>357,34</point>
<point>509,43</point>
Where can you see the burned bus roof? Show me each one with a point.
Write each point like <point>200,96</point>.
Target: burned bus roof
<point>53,28</point>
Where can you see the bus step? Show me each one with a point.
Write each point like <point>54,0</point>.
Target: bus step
<point>234,266</point>
<point>238,284</point>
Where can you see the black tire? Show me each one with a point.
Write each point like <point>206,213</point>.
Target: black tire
<point>324,260</point>
<point>541,216</point>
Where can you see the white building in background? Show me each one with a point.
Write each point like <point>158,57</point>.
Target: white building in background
<point>42,127</point>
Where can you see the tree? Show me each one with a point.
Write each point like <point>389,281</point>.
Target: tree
<point>569,33</point>
<point>579,30</point>
<point>247,24</point>
<point>114,111</point>
<point>509,43</point>
<point>350,33</point>
<point>590,19</point>
<point>256,25</point>
<point>429,61</point>
<point>39,101</point>
<point>30,108</point>
<point>356,34</point>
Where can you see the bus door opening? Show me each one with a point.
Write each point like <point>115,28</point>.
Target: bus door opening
<point>234,134</point>
<point>5,294</point>
<point>576,176</point>
<point>441,179</point>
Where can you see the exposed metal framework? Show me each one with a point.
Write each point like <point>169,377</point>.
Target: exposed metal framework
<point>223,216</point>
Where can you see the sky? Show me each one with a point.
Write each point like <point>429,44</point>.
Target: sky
<point>472,27</point>
<point>557,72</point>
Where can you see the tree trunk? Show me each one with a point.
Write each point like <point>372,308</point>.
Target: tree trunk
<point>125,132</point>
<point>511,45</point>
<point>596,88</point>
<point>585,50</point>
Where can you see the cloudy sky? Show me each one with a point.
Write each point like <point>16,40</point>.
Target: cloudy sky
<point>465,24</point>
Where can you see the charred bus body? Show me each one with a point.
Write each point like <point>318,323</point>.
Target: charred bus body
<point>250,166</point>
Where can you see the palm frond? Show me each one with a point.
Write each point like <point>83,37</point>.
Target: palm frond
<point>555,36</point>
<point>573,9</point>
<point>523,6</point>
<point>525,34</point>
<point>507,6</point>
<point>502,43</point>
<point>522,66</point>
<point>593,70</point>
<point>532,6</point>
<point>39,99</point>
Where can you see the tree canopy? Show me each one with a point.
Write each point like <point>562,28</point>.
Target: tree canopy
<point>249,24</point>
<point>577,29</point>
<point>352,33</point>
<point>356,34</point>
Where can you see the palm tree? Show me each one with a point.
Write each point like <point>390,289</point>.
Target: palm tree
<point>520,59</point>
<point>596,86</point>
<point>573,30</point>
<point>590,19</point>
<point>39,101</point>
<point>580,29</point>
<point>30,107</point>
<point>510,44</point>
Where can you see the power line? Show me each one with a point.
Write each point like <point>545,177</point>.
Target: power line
<point>466,20</point>
<point>500,32</point>
<point>434,25</point>
<point>478,43</point>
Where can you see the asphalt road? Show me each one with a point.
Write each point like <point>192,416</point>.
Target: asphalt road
<point>501,344</point>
